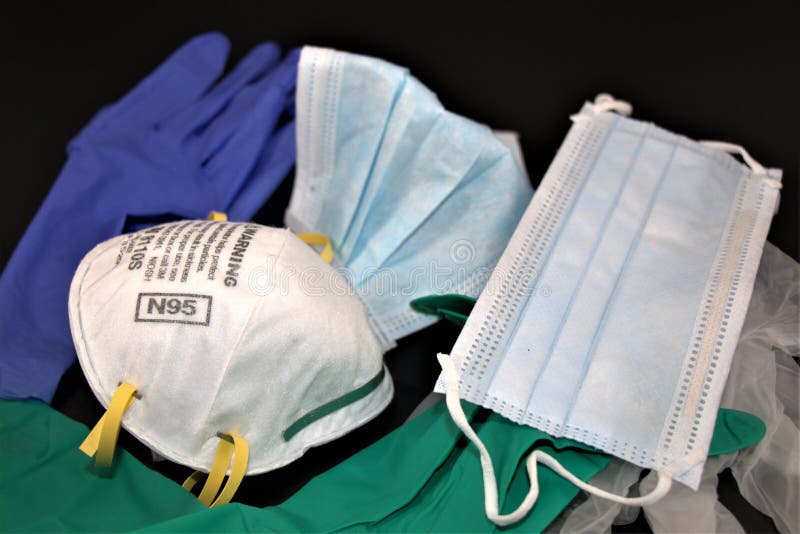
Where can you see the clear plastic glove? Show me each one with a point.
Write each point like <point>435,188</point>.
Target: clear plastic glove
<point>595,515</point>
<point>684,510</point>
<point>765,381</point>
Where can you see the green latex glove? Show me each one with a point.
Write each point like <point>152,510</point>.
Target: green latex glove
<point>46,483</point>
<point>458,484</point>
<point>453,307</point>
<point>422,476</point>
<point>735,430</point>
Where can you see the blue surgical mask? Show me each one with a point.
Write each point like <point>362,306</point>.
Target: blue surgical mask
<point>415,200</point>
<point>614,312</point>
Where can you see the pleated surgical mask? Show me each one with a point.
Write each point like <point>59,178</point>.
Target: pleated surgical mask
<point>416,200</point>
<point>210,340</point>
<point>613,314</point>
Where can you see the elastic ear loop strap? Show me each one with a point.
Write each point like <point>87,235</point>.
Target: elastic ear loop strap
<point>319,240</point>
<point>733,148</point>
<point>216,216</point>
<point>230,445</point>
<point>490,483</point>
<point>102,440</point>
<point>605,102</point>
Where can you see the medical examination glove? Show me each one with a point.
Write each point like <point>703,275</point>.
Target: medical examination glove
<point>380,488</point>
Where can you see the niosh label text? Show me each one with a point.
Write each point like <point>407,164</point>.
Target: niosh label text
<point>237,255</point>
<point>184,308</point>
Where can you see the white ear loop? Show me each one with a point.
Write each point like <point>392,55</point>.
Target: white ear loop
<point>605,102</point>
<point>733,148</point>
<point>490,482</point>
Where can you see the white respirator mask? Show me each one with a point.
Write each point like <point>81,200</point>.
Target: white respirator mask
<point>223,346</point>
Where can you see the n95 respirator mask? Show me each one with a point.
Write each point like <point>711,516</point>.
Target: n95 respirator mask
<point>211,341</point>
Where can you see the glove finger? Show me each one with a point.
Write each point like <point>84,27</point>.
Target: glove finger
<point>258,62</point>
<point>237,156</point>
<point>273,166</point>
<point>178,81</point>
<point>265,98</point>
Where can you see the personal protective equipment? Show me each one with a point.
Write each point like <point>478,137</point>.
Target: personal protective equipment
<point>176,146</point>
<point>613,315</point>
<point>765,381</point>
<point>415,199</point>
<point>40,464</point>
<point>45,485</point>
<point>223,330</point>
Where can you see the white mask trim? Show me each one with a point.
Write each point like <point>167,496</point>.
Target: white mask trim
<point>314,157</point>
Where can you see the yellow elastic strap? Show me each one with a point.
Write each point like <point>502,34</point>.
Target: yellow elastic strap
<point>216,216</point>
<point>239,450</point>
<point>217,473</point>
<point>238,469</point>
<point>193,479</point>
<point>319,240</point>
<point>102,440</point>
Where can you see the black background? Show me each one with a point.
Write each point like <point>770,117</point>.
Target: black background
<point>716,71</point>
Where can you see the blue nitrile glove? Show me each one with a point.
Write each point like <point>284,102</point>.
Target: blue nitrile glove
<point>177,145</point>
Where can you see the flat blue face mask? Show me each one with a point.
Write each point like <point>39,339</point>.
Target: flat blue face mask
<point>415,200</point>
<point>613,314</point>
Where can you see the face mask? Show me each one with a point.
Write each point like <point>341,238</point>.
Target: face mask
<point>612,316</point>
<point>213,338</point>
<point>415,200</point>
